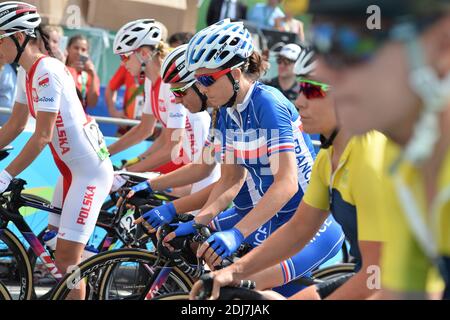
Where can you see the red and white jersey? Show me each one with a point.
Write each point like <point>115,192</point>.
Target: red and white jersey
<point>160,102</point>
<point>49,87</point>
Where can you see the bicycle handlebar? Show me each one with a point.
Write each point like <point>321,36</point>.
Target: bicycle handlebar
<point>245,291</point>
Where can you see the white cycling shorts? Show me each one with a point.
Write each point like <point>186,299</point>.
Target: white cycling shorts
<point>81,191</point>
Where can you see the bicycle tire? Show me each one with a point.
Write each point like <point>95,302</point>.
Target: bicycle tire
<point>4,293</point>
<point>334,270</point>
<point>173,296</point>
<point>24,269</point>
<point>106,259</point>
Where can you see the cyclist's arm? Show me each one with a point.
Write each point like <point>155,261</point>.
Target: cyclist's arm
<point>288,240</point>
<point>169,151</point>
<point>358,287</point>
<point>188,174</point>
<point>15,124</point>
<point>155,146</point>
<point>232,177</point>
<point>283,188</point>
<point>137,134</point>
<point>194,201</point>
<point>110,97</point>
<point>42,136</point>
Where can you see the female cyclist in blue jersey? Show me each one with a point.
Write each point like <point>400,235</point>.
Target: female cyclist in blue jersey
<point>46,90</point>
<point>344,180</point>
<point>260,140</point>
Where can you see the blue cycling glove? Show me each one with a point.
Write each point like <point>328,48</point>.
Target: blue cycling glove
<point>142,186</point>
<point>160,215</point>
<point>184,228</point>
<point>225,243</point>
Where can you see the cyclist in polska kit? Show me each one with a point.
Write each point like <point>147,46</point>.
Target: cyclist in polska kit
<point>46,91</point>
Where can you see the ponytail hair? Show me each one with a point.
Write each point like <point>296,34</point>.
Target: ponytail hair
<point>45,40</point>
<point>254,67</point>
<point>162,49</point>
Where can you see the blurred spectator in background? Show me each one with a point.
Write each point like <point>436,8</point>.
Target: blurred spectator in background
<point>83,71</point>
<point>7,89</point>
<point>289,24</point>
<point>179,38</point>
<point>286,80</point>
<point>133,100</point>
<point>55,35</point>
<point>264,14</point>
<point>221,9</point>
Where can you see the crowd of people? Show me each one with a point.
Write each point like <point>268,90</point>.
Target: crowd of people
<point>239,150</point>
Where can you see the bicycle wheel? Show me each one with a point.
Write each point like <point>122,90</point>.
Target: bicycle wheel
<point>173,296</point>
<point>16,272</point>
<point>334,271</point>
<point>4,293</point>
<point>121,274</point>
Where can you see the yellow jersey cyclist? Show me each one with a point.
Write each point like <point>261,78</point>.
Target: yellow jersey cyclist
<point>407,59</point>
<point>46,90</point>
<point>344,181</point>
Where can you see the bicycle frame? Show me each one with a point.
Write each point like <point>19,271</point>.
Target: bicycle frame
<point>12,214</point>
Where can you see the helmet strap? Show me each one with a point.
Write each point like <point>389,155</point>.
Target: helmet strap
<point>202,97</point>
<point>236,88</point>
<point>328,142</point>
<point>20,48</point>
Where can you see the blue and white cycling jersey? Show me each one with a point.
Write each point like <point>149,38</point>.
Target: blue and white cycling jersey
<point>263,126</point>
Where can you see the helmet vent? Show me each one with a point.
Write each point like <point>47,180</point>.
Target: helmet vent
<point>131,41</point>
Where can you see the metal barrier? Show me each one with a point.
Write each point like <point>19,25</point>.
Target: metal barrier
<point>119,121</point>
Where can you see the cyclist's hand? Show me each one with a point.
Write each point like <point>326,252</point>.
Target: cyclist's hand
<point>221,278</point>
<point>183,229</point>
<point>118,182</point>
<point>5,180</point>
<point>158,216</point>
<point>220,245</point>
<point>139,187</point>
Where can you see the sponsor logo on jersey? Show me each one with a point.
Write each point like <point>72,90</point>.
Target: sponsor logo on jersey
<point>45,99</point>
<point>175,115</point>
<point>87,204</point>
<point>62,136</point>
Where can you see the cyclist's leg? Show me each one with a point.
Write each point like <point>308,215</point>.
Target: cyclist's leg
<point>225,220</point>
<point>325,245</point>
<point>57,201</point>
<point>87,192</point>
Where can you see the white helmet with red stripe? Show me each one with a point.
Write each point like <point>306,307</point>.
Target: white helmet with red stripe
<point>18,17</point>
<point>173,69</point>
<point>135,34</point>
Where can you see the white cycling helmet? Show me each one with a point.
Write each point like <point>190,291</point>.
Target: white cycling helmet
<point>217,44</point>
<point>18,16</point>
<point>290,51</point>
<point>173,68</point>
<point>305,63</point>
<point>136,34</point>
